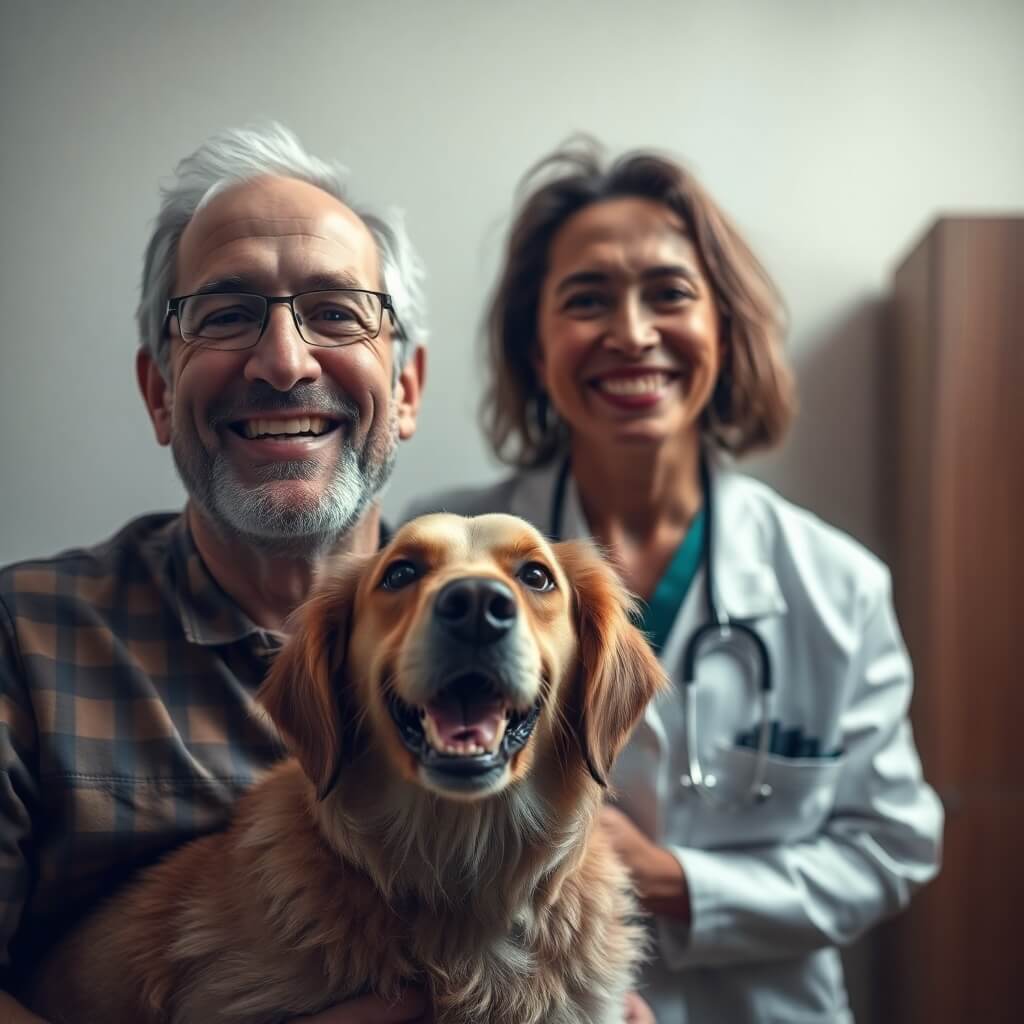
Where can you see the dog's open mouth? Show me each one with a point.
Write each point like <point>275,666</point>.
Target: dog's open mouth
<point>469,728</point>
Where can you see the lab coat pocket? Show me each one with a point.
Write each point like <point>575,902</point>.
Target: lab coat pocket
<point>803,791</point>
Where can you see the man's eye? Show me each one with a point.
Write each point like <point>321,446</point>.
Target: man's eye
<point>399,574</point>
<point>228,318</point>
<point>334,313</point>
<point>536,577</point>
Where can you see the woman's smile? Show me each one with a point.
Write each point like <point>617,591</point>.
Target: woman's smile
<point>635,390</point>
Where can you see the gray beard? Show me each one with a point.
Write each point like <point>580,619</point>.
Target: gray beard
<point>307,530</point>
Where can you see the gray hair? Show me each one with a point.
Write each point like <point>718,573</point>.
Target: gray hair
<point>238,155</point>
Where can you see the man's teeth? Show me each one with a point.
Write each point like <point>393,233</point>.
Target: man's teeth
<point>466,749</point>
<point>649,383</point>
<point>299,425</point>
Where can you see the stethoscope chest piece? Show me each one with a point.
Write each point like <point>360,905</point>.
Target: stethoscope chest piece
<point>743,645</point>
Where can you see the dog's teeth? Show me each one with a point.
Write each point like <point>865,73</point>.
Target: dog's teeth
<point>462,748</point>
<point>499,734</point>
<point>430,731</point>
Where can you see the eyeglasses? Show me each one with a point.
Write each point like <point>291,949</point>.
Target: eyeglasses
<point>230,321</point>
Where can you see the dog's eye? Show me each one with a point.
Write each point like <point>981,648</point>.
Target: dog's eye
<point>536,577</point>
<point>399,574</point>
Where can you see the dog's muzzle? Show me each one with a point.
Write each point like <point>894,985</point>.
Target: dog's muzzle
<point>473,720</point>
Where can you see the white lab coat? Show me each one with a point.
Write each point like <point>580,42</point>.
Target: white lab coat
<point>844,841</point>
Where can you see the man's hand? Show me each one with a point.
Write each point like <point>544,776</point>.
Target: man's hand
<point>657,875</point>
<point>411,1008</point>
<point>637,1011</point>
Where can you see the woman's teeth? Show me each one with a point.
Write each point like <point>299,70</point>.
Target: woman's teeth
<point>648,384</point>
<point>275,428</point>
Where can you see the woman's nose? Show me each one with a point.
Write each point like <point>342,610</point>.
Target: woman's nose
<point>633,329</point>
<point>281,357</point>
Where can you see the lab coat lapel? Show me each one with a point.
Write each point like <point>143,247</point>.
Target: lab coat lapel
<point>744,577</point>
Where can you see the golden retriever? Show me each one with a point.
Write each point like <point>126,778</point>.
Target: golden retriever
<point>454,704</point>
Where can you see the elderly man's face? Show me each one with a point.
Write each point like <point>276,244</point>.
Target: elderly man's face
<point>231,417</point>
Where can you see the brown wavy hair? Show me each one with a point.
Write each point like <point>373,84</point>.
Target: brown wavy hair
<point>754,398</point>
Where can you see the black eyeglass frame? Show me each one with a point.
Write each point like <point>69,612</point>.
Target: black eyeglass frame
<point>386,302</point>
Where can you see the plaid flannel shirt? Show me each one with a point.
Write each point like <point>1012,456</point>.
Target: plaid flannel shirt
<point>126,722</point>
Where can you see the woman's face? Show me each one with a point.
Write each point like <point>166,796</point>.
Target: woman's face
<point>628,330</point>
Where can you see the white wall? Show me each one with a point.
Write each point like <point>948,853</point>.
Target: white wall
<point>833,132</point>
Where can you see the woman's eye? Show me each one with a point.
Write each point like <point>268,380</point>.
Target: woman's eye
<point>399,574</point>
<point>536,577</point>
<point>670,297</point>
<point>586,303</point>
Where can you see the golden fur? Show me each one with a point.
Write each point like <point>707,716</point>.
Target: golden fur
<point>350,867</point>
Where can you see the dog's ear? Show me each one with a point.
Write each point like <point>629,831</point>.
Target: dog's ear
<point>617,674</point>
<point>304,692</point>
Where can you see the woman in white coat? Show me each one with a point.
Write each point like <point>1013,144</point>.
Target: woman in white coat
<point>635,351</point>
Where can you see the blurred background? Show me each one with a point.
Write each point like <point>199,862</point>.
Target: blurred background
<point>835,134</point>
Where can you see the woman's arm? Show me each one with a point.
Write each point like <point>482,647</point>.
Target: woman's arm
<point>881,842</point>
<point>656,872</point>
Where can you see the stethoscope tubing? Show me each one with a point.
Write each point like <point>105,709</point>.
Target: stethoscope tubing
<point>718,632</point>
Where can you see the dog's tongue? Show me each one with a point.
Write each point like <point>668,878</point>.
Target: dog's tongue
<point>467,720</point>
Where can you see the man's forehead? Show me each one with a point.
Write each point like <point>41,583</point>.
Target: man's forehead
<point>281,214</point>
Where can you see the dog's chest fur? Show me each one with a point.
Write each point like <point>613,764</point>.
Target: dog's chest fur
<point>266,921</point>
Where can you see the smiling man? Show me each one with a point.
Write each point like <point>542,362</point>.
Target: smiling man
<point>287,393</point>
<point>281,360</point>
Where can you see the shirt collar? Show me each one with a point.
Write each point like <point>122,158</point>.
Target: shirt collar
<point>208,615</point>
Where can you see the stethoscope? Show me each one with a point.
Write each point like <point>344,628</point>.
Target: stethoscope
<point>718,634</point>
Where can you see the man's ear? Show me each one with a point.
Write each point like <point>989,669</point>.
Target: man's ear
<point>408,391</point>
<point>156,393</point>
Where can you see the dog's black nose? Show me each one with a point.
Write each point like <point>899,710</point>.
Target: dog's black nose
<point>476,609</point>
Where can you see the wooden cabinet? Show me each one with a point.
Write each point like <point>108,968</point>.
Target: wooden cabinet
<point>953,493</point>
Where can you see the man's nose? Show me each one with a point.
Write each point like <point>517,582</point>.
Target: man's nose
<point>633,329</point>
<point>281,358</point>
